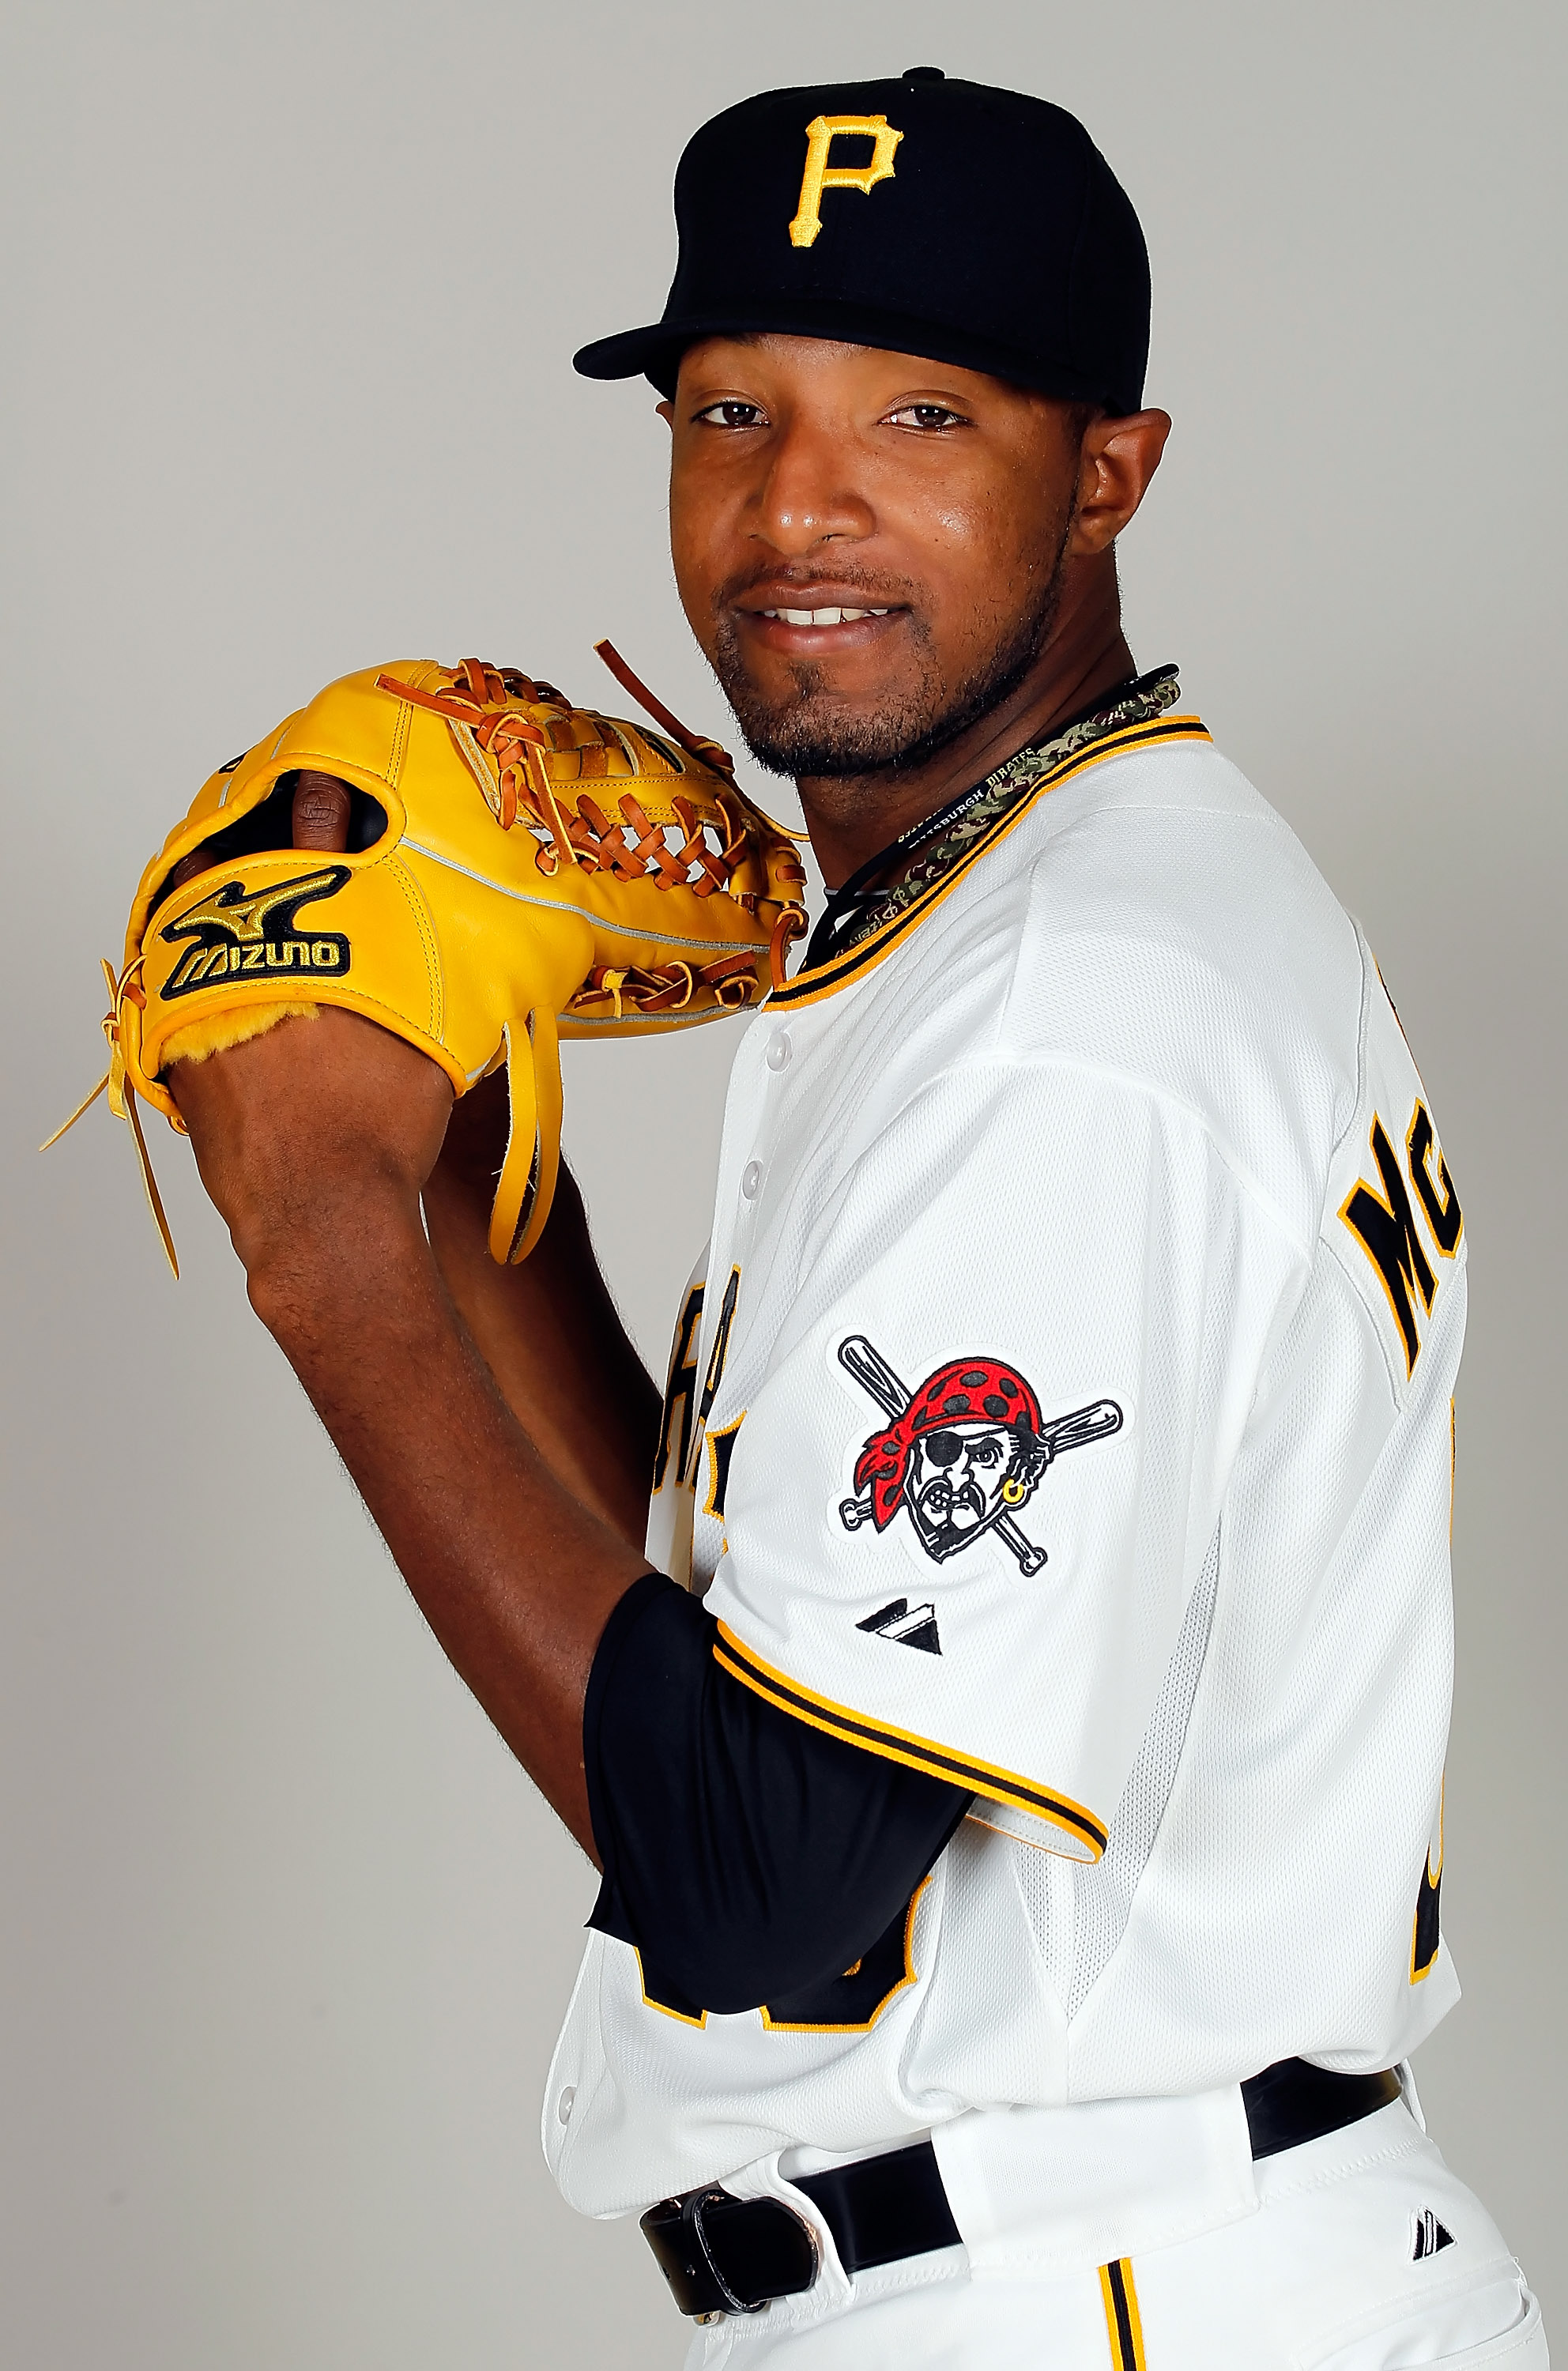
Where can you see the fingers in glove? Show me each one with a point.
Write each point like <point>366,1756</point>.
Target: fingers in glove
<point>198,861</point>
<point>318,820</point>
<point>321,805</point>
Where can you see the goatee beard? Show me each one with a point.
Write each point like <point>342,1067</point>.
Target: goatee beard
<point>803,738</point>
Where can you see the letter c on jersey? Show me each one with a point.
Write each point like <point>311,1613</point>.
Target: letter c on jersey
<point>819,175</point>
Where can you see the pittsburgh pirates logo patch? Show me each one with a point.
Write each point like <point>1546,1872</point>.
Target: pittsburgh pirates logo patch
<point>963,1454</point>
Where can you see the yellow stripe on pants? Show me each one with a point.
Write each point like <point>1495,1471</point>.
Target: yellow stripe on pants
<point>1121,2322</point>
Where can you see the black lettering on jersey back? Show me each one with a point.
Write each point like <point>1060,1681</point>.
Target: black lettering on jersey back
<point>1437,1196</point>
<point>1427,1934</point>
<point>680,1390</point>
<point>720,1449</point>
<point>715,1374</point>
<point>1388,1233</point>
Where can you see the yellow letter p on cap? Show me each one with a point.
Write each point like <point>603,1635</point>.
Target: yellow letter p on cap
<point>819,175</point>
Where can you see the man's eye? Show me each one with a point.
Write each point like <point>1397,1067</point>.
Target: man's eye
<point>925,415</point>
<point>734,415</point>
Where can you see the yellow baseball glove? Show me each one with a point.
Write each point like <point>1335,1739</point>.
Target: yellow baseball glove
<point>515,868</point>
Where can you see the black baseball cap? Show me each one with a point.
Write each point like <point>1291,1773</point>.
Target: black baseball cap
<point>929,216</point>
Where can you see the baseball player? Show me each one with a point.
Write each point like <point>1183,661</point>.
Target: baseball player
<point>1013,1744</point>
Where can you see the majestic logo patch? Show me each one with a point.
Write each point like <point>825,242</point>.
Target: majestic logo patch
<point>1430,2234</point>
<point>238,931</point>
<point>961,1454</point>
<point>907,1625</point>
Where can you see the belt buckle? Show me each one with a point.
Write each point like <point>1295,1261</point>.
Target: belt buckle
<point>707,2242</point>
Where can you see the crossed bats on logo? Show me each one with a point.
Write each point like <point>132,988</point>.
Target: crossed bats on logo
<point>961,1453</point>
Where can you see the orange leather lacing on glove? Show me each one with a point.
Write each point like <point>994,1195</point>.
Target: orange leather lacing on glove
<point>490,704</point>
<point>792,923</point>
<point>668,987</point>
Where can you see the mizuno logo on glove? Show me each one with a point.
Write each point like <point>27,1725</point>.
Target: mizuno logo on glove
<point>237,931</point>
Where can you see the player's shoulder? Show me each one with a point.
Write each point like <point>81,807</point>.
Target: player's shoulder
<point>1171,927</point>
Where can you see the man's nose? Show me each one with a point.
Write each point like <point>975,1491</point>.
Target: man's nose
<point>807,499</point>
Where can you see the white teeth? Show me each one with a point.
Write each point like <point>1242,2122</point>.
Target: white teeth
<point>823,617</point>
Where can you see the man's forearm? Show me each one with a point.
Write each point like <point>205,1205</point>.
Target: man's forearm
<point>552,1338</point>
<point>515,1575</point>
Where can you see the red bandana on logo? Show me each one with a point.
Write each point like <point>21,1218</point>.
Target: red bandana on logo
<point>971,1391</point>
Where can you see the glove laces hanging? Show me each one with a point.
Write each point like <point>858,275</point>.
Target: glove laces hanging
<point>122,1094</point>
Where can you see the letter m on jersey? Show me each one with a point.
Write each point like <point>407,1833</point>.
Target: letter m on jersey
<point>1383,1224</point>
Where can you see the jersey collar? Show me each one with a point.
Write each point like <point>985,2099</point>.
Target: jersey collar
<point>1027,777</point>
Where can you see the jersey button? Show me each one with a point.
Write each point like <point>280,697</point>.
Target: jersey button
<point>751,1178</point>
<point>563,2105</point>
<point>779,1051</point>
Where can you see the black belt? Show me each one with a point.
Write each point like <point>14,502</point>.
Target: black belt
<point>735,2255</point>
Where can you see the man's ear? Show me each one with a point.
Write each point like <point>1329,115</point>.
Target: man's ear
<point>1118,458</point>
<point>666,411</point>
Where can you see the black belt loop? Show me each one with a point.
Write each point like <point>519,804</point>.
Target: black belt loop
<point>1296,2101</point>
<point>723,2254</point>
<point>901,2211</point>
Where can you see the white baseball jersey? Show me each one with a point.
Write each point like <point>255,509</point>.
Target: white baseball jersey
<point>1064,1407</point>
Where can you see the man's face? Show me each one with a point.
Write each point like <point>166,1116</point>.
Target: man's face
<point>954,1484</point>
<point>867,545</point>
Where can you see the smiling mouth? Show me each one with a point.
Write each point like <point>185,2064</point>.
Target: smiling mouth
<point>832,617</point>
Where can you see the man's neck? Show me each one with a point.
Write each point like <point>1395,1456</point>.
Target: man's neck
<point>852,817</point>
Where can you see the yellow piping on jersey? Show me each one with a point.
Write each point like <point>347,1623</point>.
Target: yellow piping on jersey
<point>901,1746</point>
<point>810,986</point>
<point>783,2025</point>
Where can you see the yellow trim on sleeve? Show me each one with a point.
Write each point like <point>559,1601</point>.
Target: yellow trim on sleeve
<point>901,1746</point>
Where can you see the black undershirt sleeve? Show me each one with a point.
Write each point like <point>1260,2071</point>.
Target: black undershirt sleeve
<point>747,1856</point>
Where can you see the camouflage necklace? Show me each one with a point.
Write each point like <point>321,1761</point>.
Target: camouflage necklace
<point>860,906</point>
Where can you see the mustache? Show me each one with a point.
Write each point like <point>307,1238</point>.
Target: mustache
<point>939,1499</point>
<point>881,591</point>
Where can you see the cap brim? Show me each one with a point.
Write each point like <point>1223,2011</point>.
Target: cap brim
<point>655,351</point>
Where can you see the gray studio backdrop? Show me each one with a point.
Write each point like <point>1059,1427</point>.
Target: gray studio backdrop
<point>293,290</point>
